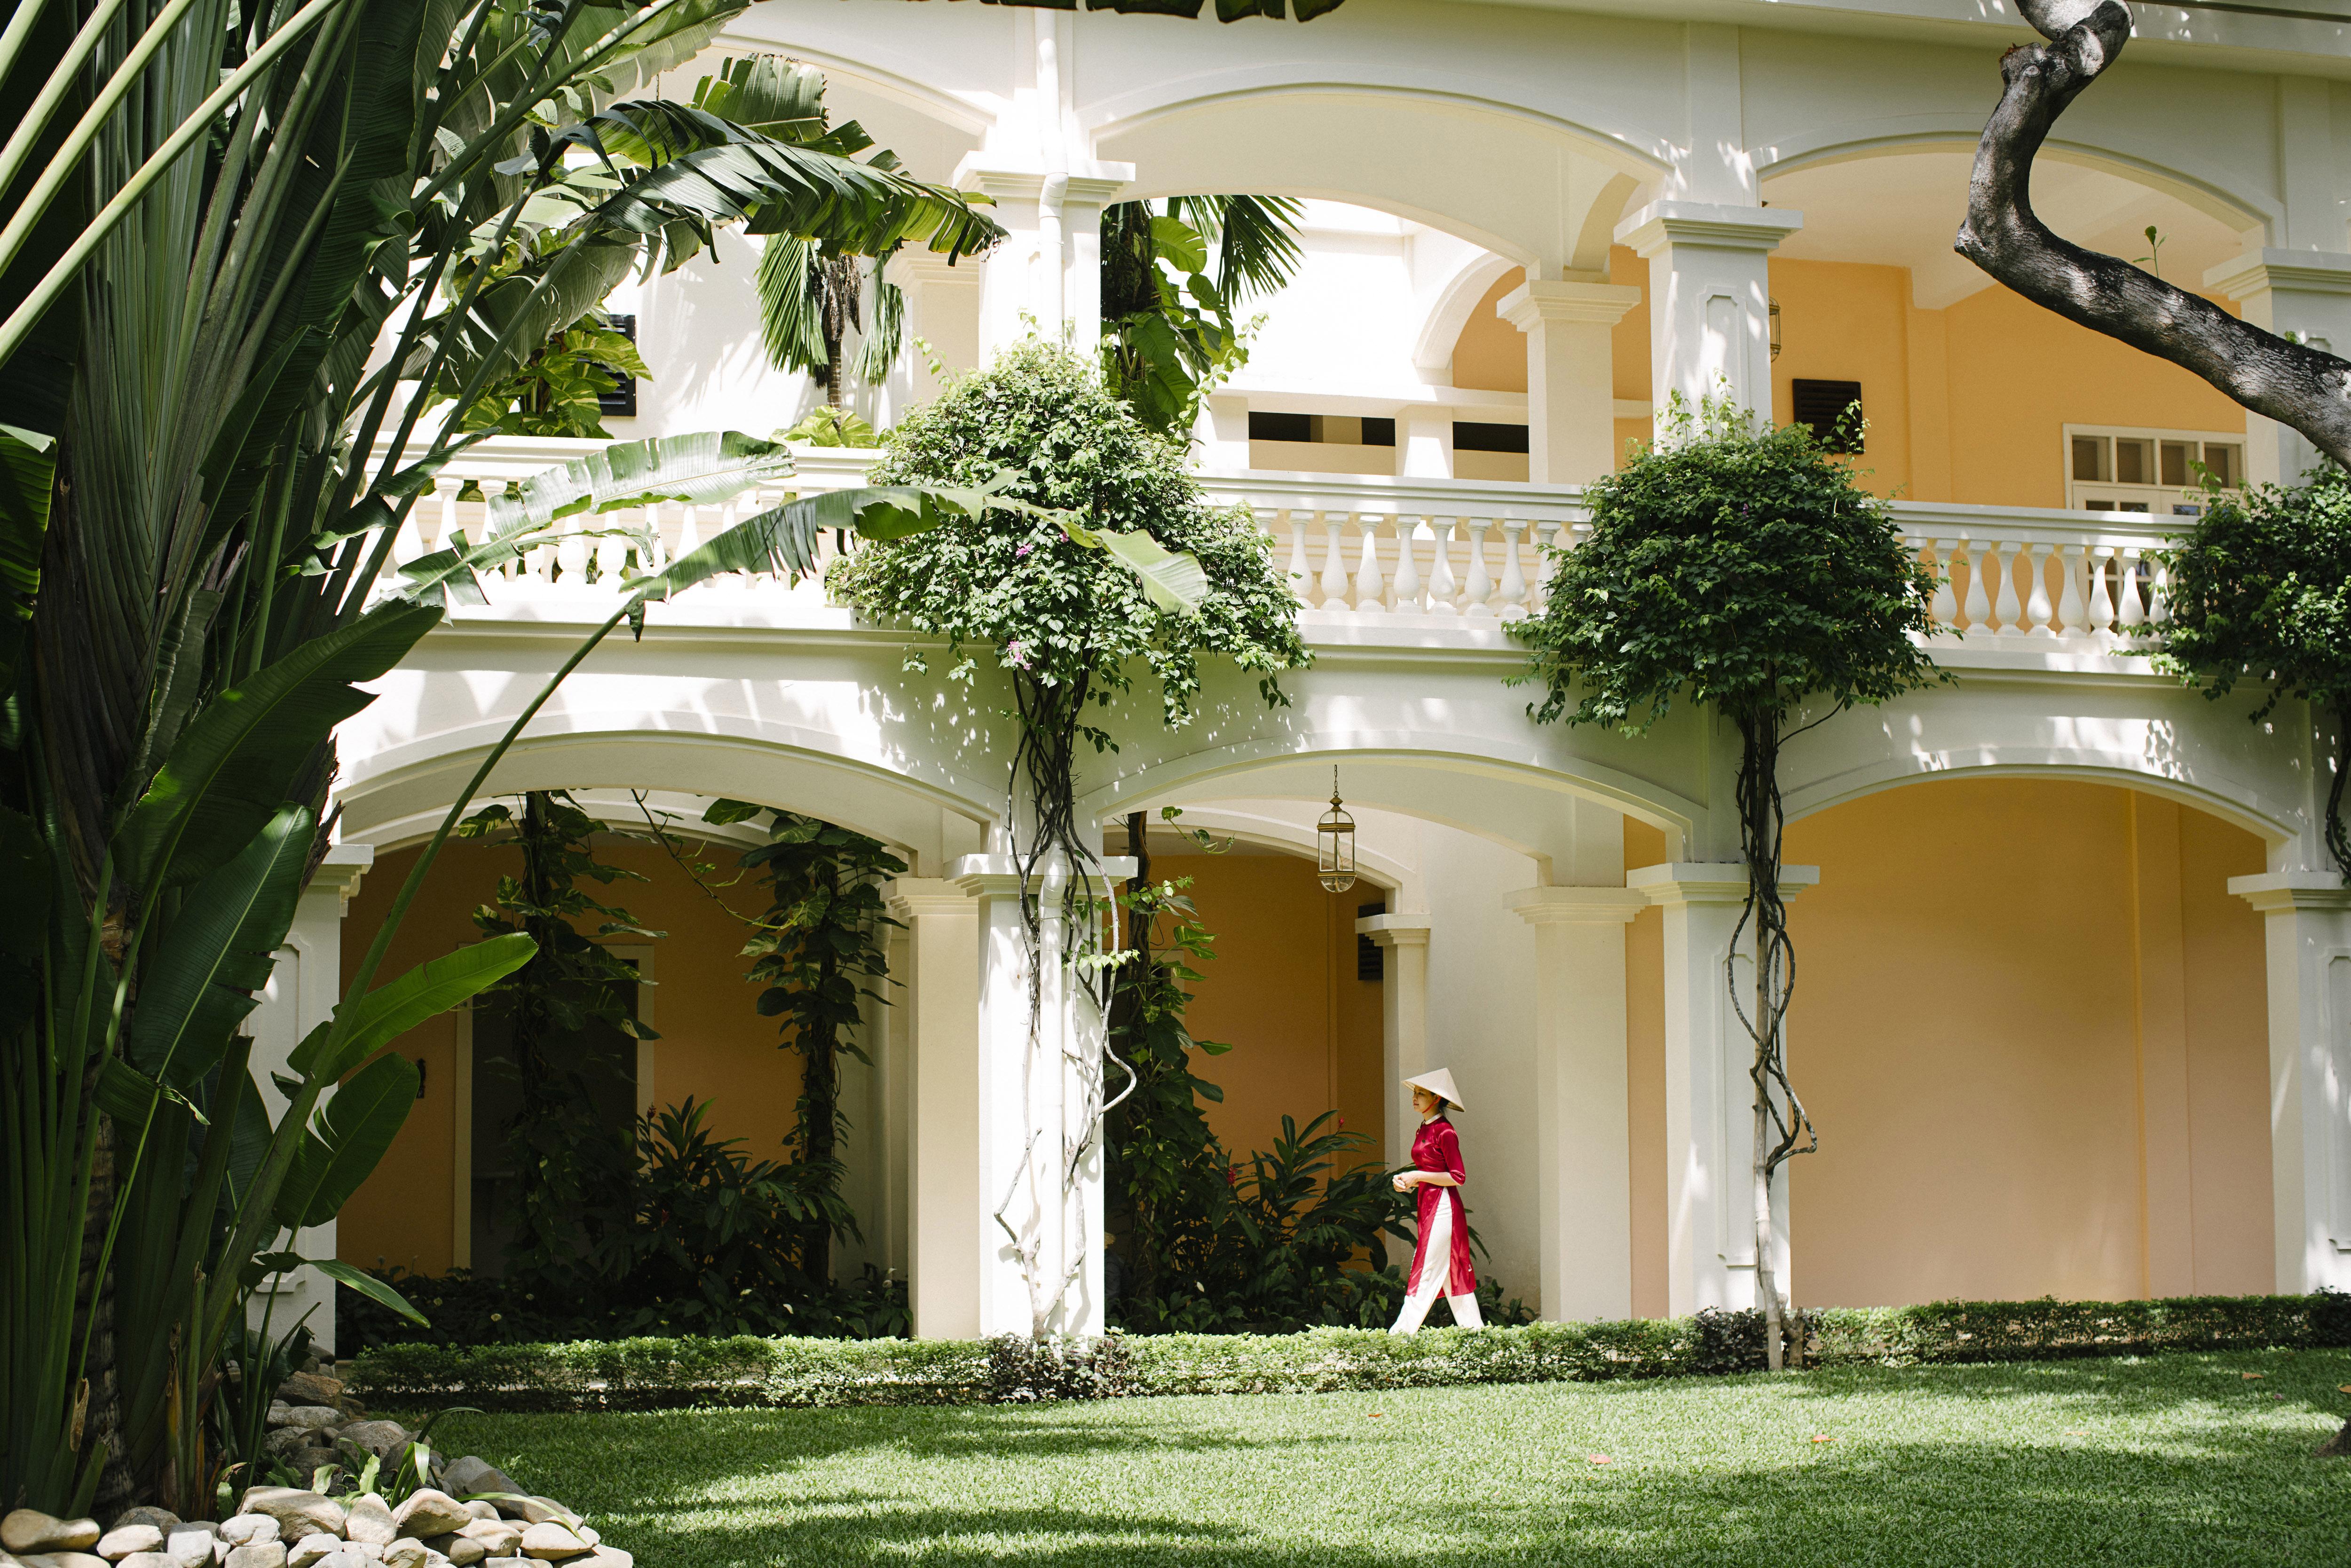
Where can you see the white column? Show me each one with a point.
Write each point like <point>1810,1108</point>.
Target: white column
<point>1039,1162</point>
<point>2308,930</point>
<point>1571,392</point>
<point>1403,940</point>
<point>1585,1197</point>
<point>941,1003</point>
<point>1048,266</point>
<point>1710,1101</point>
<point>1709,298</point>
<point>2306,292</point>
<point>1425,433</point>
<point>302,992</point>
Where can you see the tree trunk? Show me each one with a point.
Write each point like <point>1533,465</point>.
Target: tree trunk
<point>2297,385</point>
<point>1778,1132</point>
<point>820,1086</point>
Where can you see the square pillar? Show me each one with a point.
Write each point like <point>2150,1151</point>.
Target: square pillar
<point>1583,1200</point>
<point>1048,269</point>
<point>1425,433</point>
<point>1709,298</point>
<point>941,1009</point>
<point>1710,1101</point>
<point>2307,931</point>
<point>304,987</point>
<point>1403,941</point>
<point>2303,292</point>
<point>1571,387</point>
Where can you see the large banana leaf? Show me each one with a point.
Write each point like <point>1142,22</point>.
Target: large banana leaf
<point>365,1025</point>
<point>348,1140</point>
<point>237,761</point>
<point>221,950</point>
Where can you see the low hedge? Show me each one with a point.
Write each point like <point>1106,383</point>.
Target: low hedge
<point>649,1374</point>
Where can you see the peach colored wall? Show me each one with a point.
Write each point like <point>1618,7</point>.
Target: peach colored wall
<point>1845,322</point>
<point>1490,355</point>
<point>1282,992</point>
<point>714,1046</point>
<point>2007,413</point>
<point>1972,1030</point>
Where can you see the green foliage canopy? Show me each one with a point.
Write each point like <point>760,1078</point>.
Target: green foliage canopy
<point>1734,565</point>
<point>2260,589</point>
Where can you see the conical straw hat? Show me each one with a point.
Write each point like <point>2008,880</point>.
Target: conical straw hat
<point>1439,1084</point>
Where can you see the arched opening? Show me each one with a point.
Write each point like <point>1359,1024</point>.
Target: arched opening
<point>2030,1019</point>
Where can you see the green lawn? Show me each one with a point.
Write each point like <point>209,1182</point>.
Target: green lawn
<point>2178,1460</point>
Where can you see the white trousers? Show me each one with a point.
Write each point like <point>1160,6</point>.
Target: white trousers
<point>1436,1268</point>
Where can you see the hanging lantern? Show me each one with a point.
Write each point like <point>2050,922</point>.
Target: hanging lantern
<point>1334,838</point>
<point>1774,322</point>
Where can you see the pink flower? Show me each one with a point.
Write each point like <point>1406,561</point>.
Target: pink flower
<point>1022,552</point>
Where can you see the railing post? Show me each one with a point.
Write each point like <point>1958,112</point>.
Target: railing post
<point>1945,608</point>
<point>1371,589</point>
<point>1546,540</point>
<point>1978,590</point>
<point>1334,563</point>
<point>2071,608</point>
<point>1300,582</point>
<point>2011,613</point>
<point>1441,586</point>
<point>1480,587</point>
<point>1514,577</point>
<point>1407,579</point>
<point>2036,609</point>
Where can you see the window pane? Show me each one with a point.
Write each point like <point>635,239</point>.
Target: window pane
<point>2177,455</point>
<point>2097,506</point>
<point>2222,461</point>
<point>2086,460</point>
<point>2133,463</point>
<point>2130,506</point>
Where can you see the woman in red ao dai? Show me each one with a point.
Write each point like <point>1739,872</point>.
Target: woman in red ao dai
<point>1440,1263</point>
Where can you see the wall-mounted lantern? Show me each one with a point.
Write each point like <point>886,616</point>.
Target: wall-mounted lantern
<point>1774,318</point>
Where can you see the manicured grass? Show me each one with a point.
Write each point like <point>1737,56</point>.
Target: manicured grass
<point>2176,1460</point>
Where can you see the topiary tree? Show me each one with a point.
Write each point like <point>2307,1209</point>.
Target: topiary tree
<point>1070,626</point>
<point>2260,589</point>
<point>1742,567</point>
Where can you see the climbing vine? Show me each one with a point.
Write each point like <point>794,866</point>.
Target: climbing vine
<point>819,948</point>
<point>1071,630</point>
<point>565,1156</point>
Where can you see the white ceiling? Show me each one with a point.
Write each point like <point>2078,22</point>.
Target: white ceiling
<point>1901,209</point>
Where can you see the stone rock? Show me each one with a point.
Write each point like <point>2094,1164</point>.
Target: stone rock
<point>257,1555</point>
<point>405,1552</point>
<point>460,1550</point>
<point>311,1388</point>
<point>148,1560</point>
<point>312,1416</point>
<point>499,1537</point>
<point>129,1540</point>
<point>371,1519</point>
<point>2337,1446</point>
<point>382,1438</point>
<point>163,1519</point>
<point>191,1546</point>
<point>429,1513</point>
<point>310,1549</point>
<point>76,1560</point>
<point>508,1562</point>
<point>367,1551</point>
<point>298,1513</point>
<point>257,1528</point>
<point>538,1511</point>
<point>605,1557</point>
<point>283,1441</point>
<point>469,1476</point>
<point>550,1541</point>
<point>31,1530</point>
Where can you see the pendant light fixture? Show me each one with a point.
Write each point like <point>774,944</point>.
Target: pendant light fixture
<point>1334,843</point>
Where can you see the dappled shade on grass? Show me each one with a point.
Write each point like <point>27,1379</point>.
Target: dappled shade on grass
<point>2172,1460</point>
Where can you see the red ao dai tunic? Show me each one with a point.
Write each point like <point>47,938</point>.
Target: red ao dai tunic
<point>1437,1147</point>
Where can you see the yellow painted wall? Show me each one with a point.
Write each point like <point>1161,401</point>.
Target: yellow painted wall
<point>1845,322</point>
<point>1970,1026</point>
<point>1490,355</point>
<point>1282,992</point>
<point>714,1046</point>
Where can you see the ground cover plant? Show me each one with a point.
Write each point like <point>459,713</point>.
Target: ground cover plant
<point>2176,1459</point>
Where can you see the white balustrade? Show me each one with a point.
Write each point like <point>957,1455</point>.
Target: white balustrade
<point>2036,608</point>
<point>1334,563</point>
<point>1480,586</point>
<point>1514,579</point>
<point>1443,589</point>
<point>1371,589</point>
<point>1409,598</point>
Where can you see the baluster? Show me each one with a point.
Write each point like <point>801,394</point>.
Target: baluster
<point>1442,588</point>
<point>2158,596</point>
<point>445,490</point>
<point>1980,568</point>
<point>1514,578</point>
<point>689,534</point>
<point>2037,617</point>
<point>1480,586</point>
<point>653,557</point>
<point>1301,583</point>
<point>409,542</point>
<point>1546,542</point>
<point>2072,606</point>
<point>1946,606</point>
<point>2131,613</point>
<point>571,550</point>
<point>612,552</point>
<point>1334,563</point>
<point>1371,589</point>
<point>2011,613</point>
<point>2102,604</point>
<point>1407,579</point>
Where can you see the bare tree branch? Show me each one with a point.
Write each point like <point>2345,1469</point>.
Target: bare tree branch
<point>2291,382</point>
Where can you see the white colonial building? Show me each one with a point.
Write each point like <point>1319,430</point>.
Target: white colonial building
<point>2074,1003</point>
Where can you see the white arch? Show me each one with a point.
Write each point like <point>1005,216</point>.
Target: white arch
<point>1433,349</point>
<point>2271,820</point>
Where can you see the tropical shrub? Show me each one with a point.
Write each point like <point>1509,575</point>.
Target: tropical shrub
<point>1741,567</point>
<point>2261,590</point>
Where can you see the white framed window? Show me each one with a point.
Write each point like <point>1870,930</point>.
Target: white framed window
<point>2116,468</point>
